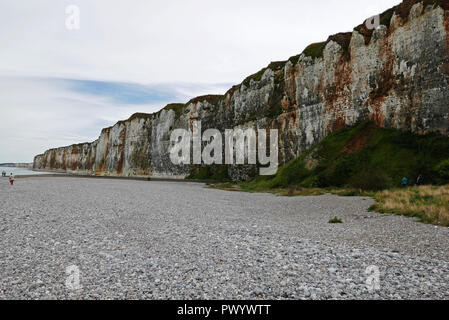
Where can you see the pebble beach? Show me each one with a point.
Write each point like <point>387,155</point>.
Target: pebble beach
<point>170,240</point>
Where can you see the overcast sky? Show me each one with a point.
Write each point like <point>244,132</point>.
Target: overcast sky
<point>60,86</point>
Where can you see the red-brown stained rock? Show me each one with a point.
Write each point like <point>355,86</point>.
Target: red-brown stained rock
<point>290,85</point>
<point>233,89</point>
<point>445,69</point>
<point>359,141</point>
<point>193,116</point>
<point>338,95</point>
<point>74,156</point>
<point>64,160</point>
<point>404,8</point>
<point>338,123</point>
<point>53,159</point>
<point>289,118</point>
<point>121,150</point>
<point>209,98</point>
<point>102,166</point>
<point>402,11</point>
<point>344,40</point>
<point>74,166</point>
<point>88,163</point>
<point>402,92</point>
<point>285,103</point>
<point>377,114</point>
<point>446,26</point>
<point>385,85</point>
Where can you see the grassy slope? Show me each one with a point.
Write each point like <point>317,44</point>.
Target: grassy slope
<point>353,156</point>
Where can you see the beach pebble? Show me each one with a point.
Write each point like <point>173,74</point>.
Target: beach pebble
<point>74,238</point>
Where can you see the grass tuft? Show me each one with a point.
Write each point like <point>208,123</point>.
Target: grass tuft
<point>315,50</point>
<point>335,220</point>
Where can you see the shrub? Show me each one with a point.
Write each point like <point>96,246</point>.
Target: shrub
<point>335,220</point>
<point>443,169</point>
<point>372,180</point>
<point>213,172</point>
<point>338,176</point>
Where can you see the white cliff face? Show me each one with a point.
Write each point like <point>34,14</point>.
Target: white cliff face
<point>398,77</point>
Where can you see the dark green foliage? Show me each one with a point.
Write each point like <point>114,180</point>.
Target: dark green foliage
<point>211,172</point>
<point>275,66</point>
<point>372,180</point>
<point>180,107</point>
<point>275,100</point>
<point>256,77</point>
<point>211,98</point>
<point>315,50</point>
<point>177,107</point>
<point>343,39</point>
<point>140,116</point>
<point>294,59</point>
<point>335,220</point>
<point>441,3</point>
<point>442,169</point>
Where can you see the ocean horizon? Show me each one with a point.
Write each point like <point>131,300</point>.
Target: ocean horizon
<point>20,171</point>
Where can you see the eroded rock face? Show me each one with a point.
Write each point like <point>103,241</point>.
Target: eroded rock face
<point>396,76</point>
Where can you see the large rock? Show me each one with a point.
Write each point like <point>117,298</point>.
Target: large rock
<point>396,76</point>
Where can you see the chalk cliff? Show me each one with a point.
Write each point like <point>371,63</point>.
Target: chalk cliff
<point>396,76</point>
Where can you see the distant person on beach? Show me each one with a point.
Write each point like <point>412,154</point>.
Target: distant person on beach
<point>419,180</point>
<point>404,182</point>
<point>4,173</point>
<point>11,179</point>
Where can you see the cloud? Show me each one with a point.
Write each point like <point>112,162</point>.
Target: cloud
<point>41,113</point>
<point>59,87</point>
<point>145,41</point>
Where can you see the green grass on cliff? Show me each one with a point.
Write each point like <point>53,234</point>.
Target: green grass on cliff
<point>275,66</point>
<point>403,11</point>
<point>178,108</point>
<point>315,50</point>
<point>364,157</point>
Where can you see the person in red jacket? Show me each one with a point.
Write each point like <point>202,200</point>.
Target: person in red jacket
<point>11,179</point>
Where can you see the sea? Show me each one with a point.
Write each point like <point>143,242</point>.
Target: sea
<point>20,171</point>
